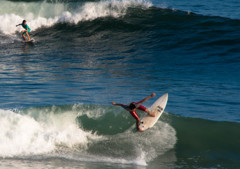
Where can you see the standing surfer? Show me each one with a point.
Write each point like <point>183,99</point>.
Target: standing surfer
<point>132,107</point>
<point>26,31</point>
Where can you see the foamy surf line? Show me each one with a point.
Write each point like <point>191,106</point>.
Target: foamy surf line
<point>140,161</point>
<point>22,135</point>
<point>50,132</point>
<point>94,158</point>
<point>43,14</point>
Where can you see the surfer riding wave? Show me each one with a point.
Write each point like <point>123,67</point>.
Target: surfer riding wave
<point>26,31</point>
<point>132,107</point>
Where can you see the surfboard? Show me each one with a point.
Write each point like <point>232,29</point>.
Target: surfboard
<point>29,41</point>
<point>157,108</point>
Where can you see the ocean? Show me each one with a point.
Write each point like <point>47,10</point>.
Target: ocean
<point>56,93</point>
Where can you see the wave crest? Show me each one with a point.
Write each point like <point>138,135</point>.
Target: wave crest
<point>61,132</point>
<point>48,14</point>
<point>23,135</point>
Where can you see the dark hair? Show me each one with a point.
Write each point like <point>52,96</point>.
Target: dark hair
<point>132,106</point>
<point>23,21</point>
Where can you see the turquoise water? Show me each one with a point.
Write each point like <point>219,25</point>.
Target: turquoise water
<point>55,93</point>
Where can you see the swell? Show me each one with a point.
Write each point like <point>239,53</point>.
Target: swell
<point>81,132</point>
<point>163,29</point>
<point>205,143</point>
<point>210,40</point>
<point>44,14</point>
<point>97,133</point>
<point>138,13</point>
<point>200,142</point>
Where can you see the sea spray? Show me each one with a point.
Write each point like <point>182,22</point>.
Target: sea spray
<point>57,131</point>
<point>23,135</point>
<point>44,14</point>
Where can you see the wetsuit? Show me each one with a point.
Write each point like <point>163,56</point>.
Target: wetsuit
<point>134,113</point>
<point>26,27</point>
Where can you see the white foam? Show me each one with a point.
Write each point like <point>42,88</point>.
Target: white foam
<point>23,135</point>
<point>162,138</point>
<point>90,111</point>
<point>153,142</point>
<point>52,132</point>
<point>39,14</point>
<point>102,159</point>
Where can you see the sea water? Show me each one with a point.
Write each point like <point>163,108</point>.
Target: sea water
<point>55,109</point>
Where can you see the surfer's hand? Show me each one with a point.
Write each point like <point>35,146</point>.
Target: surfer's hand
<point>113,103</point>
<point>153,94</point>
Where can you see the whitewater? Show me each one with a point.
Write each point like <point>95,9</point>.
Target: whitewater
<point>56,93</point>
<point>55,132</point>
<point>44,14</point>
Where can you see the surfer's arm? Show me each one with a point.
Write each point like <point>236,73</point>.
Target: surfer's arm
<point>145,99</point>
<point>18,25</point>
<point>113,103</point>
<point>122,105</point>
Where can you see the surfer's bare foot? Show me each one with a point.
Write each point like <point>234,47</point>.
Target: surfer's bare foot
<point>151,114</point>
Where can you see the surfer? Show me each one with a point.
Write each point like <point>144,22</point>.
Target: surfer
<point>132,107</point>
<point>26,31</point>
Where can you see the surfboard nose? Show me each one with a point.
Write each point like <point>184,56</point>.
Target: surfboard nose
<point>157,108</point>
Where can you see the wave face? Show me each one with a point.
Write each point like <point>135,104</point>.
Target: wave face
<point>94,52</point>
<point>93,133</point>
<point>126,44</point>
<point>201,141</point>
<point>81,133</point>
<point>45,14</point>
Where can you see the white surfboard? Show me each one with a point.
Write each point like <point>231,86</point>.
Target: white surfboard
<point>157,108</point>
<point>29,41</point>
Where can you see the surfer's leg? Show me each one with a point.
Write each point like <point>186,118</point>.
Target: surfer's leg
<point>141,107</point>
<point>151,114</point>
<point>135,115</point>
<point>24,36</point>
<point>146,110</point>
<point>28,36</point>
<point>137,124</point>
